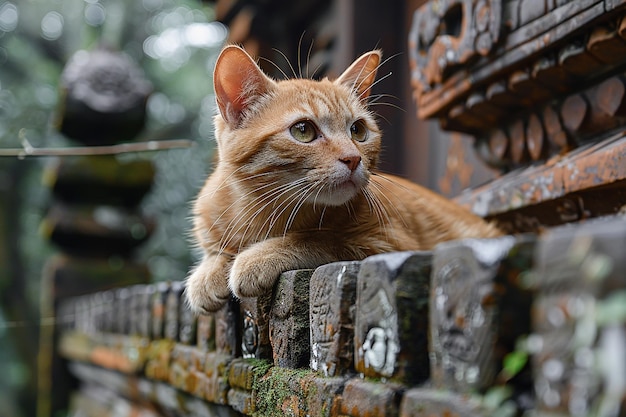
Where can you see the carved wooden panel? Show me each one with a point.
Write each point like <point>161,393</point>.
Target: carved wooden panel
<point>536,55</point>
<point>449,33</point>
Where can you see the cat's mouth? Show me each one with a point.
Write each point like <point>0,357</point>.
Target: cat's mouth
<point>339,193</point>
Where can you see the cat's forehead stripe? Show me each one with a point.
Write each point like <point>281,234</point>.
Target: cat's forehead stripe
<point>327,105</point>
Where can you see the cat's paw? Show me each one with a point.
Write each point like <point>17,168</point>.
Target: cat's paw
<point>206,289</point>
<point>252,275</point>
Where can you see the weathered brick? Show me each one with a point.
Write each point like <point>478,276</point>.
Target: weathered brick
<point>158,359</point>
<point>391,324</point>
<point>180,366</point>
<point>420,402</point>
<point>332,299</point>
<point>323,396</point>
<point>255,328</point>
<point>243,373</point>
<point>289,320</point>
<point>363,398</point>
<point>215,377</point>
<point>241,400</point>
<point>478,310</point>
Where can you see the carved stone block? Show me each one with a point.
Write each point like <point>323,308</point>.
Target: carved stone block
<point>478,309</point>
<point>187,323</point>
<point>332,299</point>
<point>122,303</point>
<point>289,320</point>
<point>391,324</point>
<point>205,332</point>
<point>255,318</point>
<point>227,330</point>
<point>140,309</point>
<point>158,309</point>
<point>579,320</point>
<point>172,310</point>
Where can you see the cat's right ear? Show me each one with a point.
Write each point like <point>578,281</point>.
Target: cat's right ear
<point>238,82</point>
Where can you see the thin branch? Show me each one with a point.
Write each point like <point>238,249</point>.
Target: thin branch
<point>29,151</point>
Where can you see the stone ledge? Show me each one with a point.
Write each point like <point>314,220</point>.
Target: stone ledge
<point>513,324</point>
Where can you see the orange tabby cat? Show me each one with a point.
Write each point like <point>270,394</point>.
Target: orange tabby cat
<point>295,185</point>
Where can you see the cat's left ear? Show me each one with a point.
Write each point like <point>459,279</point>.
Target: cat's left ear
<point>361,74</point>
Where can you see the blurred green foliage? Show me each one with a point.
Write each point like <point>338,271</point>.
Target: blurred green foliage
<point>175,42</point>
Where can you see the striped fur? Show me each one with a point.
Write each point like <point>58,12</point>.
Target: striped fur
<point>274,203</point>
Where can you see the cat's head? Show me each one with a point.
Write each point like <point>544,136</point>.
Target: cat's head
<point>314,140</point>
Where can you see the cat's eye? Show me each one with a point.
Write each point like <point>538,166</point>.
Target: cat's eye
<point>303,131</point>
<point>358,131</point>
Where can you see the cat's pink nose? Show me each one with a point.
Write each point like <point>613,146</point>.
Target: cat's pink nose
<point>351,161</point>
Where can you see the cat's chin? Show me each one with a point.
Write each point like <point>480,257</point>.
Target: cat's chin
<point>338,196</point>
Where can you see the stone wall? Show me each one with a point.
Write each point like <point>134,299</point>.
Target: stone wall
<point>494,327</point>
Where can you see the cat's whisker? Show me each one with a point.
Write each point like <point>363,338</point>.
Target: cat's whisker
<point>308,60</point>
<point>275,65</point>
<point>378,207</point>
<point>366,91</point>
<point>293,71</point>
<point>304,196</point>
<point>242,197</point>
<point>382,190</point>
<point>299,47</point>
<point>386,104</point>
<point>270,197</point>
<point>283,206</point>
<point>319,225</point>
<point>231,228</point>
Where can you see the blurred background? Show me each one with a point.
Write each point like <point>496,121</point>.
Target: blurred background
<point>173,45</point>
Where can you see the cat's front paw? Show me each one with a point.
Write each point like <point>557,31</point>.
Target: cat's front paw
<point>252,276</point>
<point>206,289</point>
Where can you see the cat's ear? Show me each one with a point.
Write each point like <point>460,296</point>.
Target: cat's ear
<point>361,74</point>
<point>238,82</point>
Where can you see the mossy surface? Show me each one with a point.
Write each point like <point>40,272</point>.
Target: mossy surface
<point>281,391</point>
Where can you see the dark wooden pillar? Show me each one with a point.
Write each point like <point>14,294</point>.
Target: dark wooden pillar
<point>93,218</point>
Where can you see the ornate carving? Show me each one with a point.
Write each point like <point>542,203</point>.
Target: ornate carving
<point>226,332</point>
<point>477,309</point>
<point>255,315</point>
<point>289,320</point>
<point>333,294</point>
<point>390,335</point>
<point>449,33</point>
